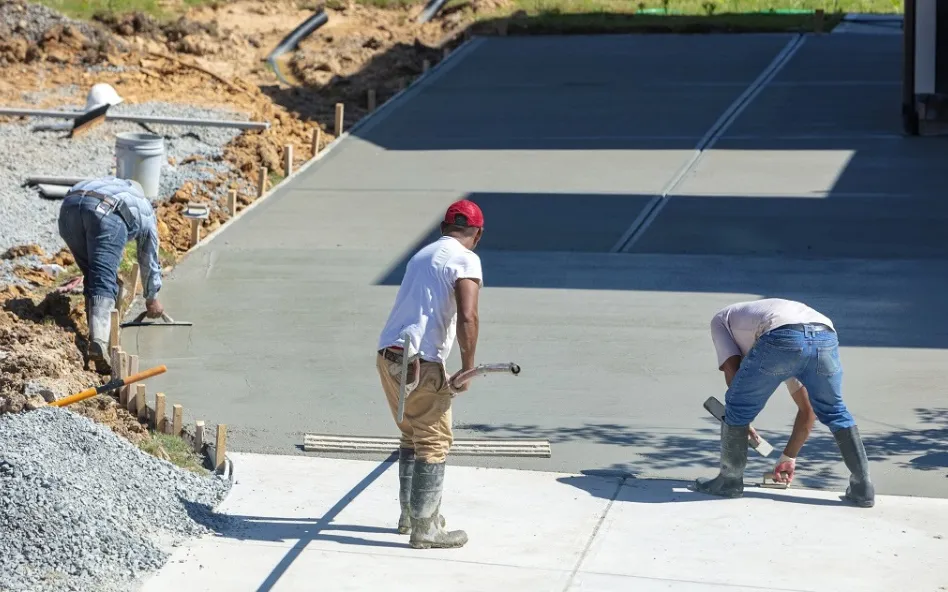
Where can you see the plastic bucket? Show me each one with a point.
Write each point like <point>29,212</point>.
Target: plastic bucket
<point>140,156</point>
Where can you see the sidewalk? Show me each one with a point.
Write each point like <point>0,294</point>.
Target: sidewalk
<point>301,524</point>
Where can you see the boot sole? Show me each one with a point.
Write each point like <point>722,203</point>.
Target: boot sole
<point>421,545</point>
<point>860,504</point>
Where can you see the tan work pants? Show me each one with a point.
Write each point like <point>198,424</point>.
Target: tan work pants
<point>426,426</point>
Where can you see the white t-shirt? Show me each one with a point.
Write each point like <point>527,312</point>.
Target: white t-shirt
<point>425,305</point>
<point>736,328</point>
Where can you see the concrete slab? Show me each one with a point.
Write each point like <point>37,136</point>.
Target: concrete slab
<point>292,521</point>
<point>288,302</point>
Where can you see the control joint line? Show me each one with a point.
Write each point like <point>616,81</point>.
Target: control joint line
<point>720,126</point>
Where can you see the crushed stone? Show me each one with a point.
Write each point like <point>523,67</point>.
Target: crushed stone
<point>84,509</point>
<point>31,148</point>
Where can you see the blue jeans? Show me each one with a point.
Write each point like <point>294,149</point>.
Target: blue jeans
<point>97,241</point>
<point>809,355</point>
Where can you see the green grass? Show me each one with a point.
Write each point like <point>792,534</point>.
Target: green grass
<point>179,453</point>
<point>87,8</point>
<point>130,256</point>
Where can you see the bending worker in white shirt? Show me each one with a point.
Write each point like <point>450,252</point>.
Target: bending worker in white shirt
<point>437,297</point>
<point>765,342</point>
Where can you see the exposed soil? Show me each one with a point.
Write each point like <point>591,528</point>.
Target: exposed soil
<point>215,57</point>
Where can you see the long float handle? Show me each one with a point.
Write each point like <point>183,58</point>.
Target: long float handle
<point>464,377</point>
<point>110,386</point>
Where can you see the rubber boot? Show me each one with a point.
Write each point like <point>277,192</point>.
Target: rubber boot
<point>99,327</point>
<point>730,480</point>
<point>427,530</point>
<point>860,491</point>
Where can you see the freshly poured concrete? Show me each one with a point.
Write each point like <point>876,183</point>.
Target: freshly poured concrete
<point>294,523</point>
<point>563,142</point>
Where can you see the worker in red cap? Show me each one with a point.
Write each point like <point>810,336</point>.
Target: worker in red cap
<point>436,300</point>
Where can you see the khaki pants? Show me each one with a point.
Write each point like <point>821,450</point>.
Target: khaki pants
<point>426,426</point>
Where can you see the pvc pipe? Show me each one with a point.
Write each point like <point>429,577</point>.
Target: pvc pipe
<point>18,112</point>
<point>54,191</point>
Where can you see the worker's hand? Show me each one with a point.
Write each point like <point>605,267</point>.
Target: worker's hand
<point>783,472</point>
<point>753,437</point>
<point>153,309</point>
<point>461,388</point>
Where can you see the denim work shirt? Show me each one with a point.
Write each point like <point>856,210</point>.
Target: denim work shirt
<point>144,226</point>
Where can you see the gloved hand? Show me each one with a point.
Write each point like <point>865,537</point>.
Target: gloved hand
<point>783,472</point>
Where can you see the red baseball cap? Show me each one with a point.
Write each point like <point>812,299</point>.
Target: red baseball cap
<point>464,213</point>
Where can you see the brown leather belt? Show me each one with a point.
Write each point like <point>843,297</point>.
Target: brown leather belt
<point>391,356</point>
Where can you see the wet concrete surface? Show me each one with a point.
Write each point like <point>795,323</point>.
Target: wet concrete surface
<point>564,141</point>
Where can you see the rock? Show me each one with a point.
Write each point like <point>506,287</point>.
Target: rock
<point>33,389</point>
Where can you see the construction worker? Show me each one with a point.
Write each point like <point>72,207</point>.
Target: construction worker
<point>437,298</point>
<point>97,218</point>
<point>765,342</point>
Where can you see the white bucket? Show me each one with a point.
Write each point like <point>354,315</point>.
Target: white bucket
<point>140,156</point>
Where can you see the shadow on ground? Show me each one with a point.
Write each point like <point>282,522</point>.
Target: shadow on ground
<point>820,457</point>
<point>55,308</point>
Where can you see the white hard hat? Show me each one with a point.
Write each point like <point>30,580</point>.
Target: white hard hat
<point>102,94</point>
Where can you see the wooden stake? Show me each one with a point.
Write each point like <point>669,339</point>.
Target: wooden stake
<point>113,328</point>
<point>317,138</point>
<point>123,373</point>
<point>114,361</point>
<point>220,447</point>
<point>340,109</point>
<point>160,413</point>
<point>195,231</point>
<point>262,181</point>
<point>198,435</point>
<point>232,202</point>
<point>177,419</point>
<point>445,53</point>
<point>818,25</point>
<point>425,65</point>
<point>370,99</point>
<point>288,160</point>
<point>140,405</point>
<point>129,391</point>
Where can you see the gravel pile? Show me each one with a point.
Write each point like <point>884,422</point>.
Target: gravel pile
<point>83,509</point>
<point>32,21</point>
<point>36,147</point>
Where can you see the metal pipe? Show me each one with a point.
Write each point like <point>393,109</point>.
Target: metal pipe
<point>52,180</point>
<point>430,10</point>
<point>251,125</point>
<point>463,377</point>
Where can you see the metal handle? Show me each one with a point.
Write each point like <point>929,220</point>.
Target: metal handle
<point>464,377</point>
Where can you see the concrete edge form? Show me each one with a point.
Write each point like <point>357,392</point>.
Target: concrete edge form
<point>487,447</point>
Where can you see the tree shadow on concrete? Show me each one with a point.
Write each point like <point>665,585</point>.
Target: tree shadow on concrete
<point>821,464</point>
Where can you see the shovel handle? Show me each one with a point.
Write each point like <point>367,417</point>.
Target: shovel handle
<point>110,386</point>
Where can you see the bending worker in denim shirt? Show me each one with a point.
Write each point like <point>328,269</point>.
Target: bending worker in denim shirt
<point>97,218</point>
<point>765,342</point>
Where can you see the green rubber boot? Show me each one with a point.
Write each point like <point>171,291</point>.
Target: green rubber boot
<point>427,524</point>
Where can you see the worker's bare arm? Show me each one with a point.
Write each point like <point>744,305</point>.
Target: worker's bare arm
<point>466,292</point>
<point>802,425</point>
<point>730,368</point>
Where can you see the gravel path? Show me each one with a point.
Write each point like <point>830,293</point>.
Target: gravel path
<point>27,218</point>
<point>83,509</point>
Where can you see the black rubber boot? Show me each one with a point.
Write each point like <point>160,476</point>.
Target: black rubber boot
<point>406,466</point>
<point>860,491</point>
<point>427,525</point>
<point>730,480</point>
